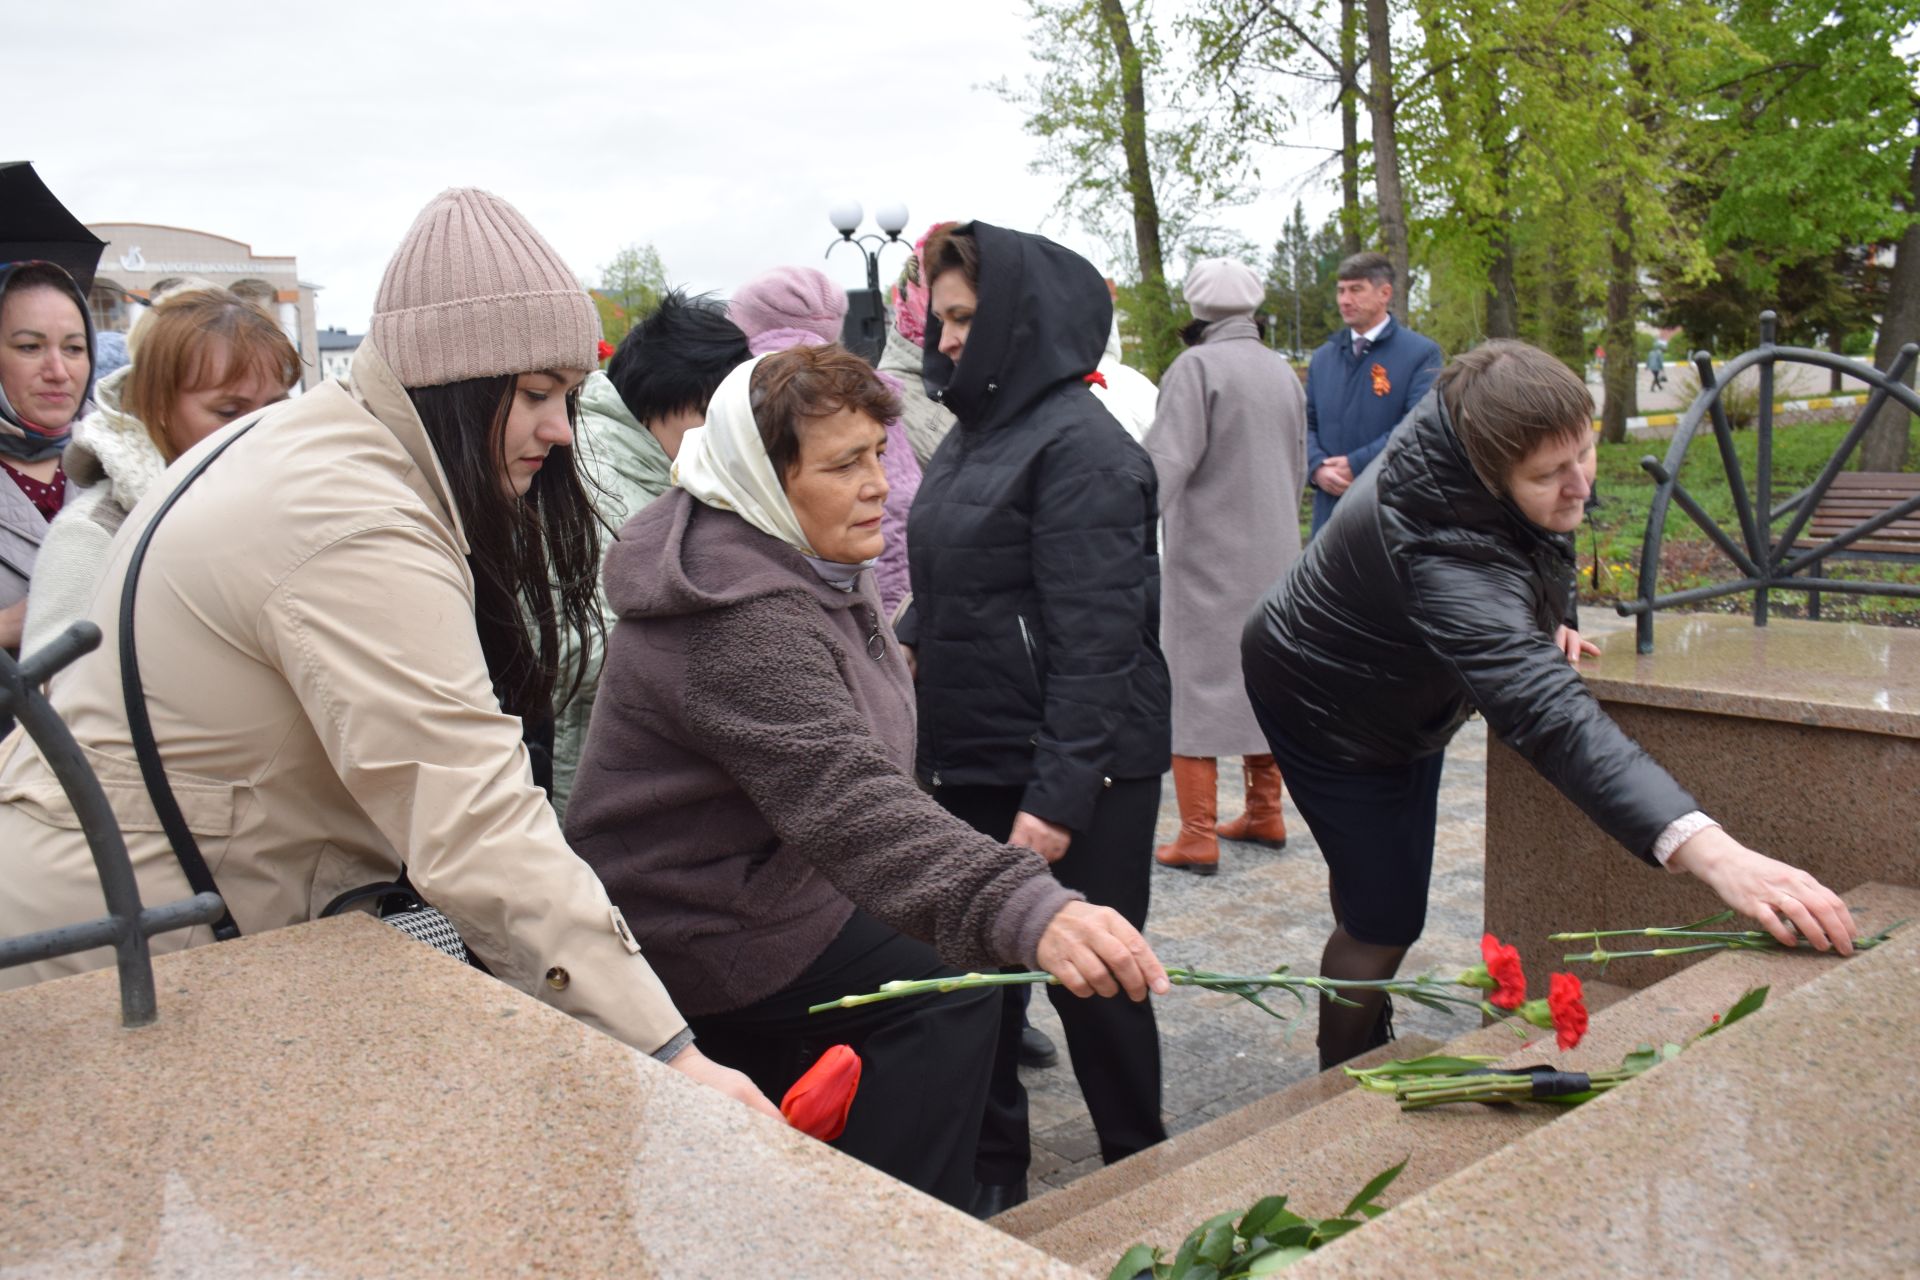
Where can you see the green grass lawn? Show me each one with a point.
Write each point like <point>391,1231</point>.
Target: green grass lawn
<point>1609,544</point>
<point>1614,535</point>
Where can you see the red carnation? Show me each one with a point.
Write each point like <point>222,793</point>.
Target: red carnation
<point>1096,379</point>
<point>1568,1006</point>
<point>819,1100</point>
<point>606,350</point>
<point>1503,963</point>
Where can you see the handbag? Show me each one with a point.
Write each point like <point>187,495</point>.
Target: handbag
<point>396,903</point>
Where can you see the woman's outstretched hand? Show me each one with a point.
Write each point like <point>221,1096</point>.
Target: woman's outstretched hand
<point>1569,642</point>
<point>1094,951</point>
<point>693,1064</point>
<point>1767,890</point>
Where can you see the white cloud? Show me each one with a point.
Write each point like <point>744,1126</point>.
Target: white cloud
<point>719,130</point>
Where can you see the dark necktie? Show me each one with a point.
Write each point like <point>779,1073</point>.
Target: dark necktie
<point>1361,346</point>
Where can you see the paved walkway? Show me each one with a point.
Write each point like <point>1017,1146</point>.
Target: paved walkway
<point>1266,908</point>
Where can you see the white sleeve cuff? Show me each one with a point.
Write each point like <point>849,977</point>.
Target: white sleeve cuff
<point>1678,832</point>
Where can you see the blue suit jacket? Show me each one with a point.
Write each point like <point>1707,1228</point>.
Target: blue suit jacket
<point>1347,414</point>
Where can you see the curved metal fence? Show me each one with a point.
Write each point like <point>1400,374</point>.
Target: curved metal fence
<point>1766,557</point>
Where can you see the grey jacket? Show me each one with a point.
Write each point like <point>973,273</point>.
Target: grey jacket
<point>1229,445</point>
<point>22,530</point>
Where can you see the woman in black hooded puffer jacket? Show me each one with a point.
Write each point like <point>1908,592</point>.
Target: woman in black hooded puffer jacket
<point>1043,695</point>
<point>1444,584</point>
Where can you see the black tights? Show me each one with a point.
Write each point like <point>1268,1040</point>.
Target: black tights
<point>1347,1031</point>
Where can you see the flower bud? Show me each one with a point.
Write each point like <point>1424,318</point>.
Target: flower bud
<point>818,1102</point>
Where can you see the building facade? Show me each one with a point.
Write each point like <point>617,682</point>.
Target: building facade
<point>336,352</point>
<point>142,258</point>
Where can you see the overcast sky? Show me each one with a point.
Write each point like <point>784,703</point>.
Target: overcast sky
<point>720,131</point>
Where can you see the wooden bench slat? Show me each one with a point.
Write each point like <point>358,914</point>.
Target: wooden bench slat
<point>1856,497</point>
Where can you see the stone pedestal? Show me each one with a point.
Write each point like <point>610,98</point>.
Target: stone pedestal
<point>1802,738</point>
<point>1784,1147</point>
<point>336,1100</point>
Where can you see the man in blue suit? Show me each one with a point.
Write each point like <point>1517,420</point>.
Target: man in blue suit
<point>1365,379</point>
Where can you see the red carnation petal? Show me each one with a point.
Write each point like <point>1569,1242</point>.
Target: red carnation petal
<point>1568,1005</point>
<point>1503,963</point>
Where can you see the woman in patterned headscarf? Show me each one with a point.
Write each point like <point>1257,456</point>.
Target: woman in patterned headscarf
<point>926,420</point>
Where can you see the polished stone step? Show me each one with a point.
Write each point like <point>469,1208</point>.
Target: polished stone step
<point>1787,1146</point>
<point>1322,1155</point>
<point>1049,1210</point>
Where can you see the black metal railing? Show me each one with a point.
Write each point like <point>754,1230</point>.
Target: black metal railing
<point>1764,557</point>
<point>127,925</point>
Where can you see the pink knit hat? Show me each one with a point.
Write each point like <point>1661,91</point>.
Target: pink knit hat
<point>909,297</point>
<point>474,292</point>
<point>788,307</point>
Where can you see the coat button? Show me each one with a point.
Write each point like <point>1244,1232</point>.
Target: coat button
<point>1106,782</point>
<point>558,978</point>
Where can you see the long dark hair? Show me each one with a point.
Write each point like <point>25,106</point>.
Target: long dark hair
<point>535,559</point>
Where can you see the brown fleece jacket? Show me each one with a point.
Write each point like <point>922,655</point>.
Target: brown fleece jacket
<point>746,777</point>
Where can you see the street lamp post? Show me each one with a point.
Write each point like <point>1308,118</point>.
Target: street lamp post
<point>865,329</point>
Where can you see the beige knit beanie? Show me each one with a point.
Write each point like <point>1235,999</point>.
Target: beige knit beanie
<point>474,292</point>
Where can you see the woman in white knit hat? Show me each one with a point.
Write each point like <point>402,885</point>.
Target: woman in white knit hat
<point>340,625</point>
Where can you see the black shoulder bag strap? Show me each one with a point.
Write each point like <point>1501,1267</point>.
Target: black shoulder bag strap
<point>185,848</point>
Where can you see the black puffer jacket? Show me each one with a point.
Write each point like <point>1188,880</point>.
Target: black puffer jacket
<point>1426,597</point>
<point>1035,569</point>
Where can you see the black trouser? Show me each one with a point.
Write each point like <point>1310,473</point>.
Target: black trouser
<point>1375,828</point>
<point>924,1060</point>
<point>1113,1042</point>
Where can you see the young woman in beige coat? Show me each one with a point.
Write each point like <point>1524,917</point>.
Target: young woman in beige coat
<point>336,629</point>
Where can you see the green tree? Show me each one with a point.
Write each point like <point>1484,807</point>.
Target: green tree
<point>1300,281</point>
<point>1543,145</point>
<point>631,286</point>
<point>1812,171</point>
<point>1141,170</point>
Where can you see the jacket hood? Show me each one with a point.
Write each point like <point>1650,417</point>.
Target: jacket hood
<point>680,556</point>
<point>1429,479</point>
<point>1042,320</point>
<point>623,440</point>
<point>111,444</point>
<point>597,395</point>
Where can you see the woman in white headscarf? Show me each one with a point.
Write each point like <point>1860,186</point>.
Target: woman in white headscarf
<point>744,791</point>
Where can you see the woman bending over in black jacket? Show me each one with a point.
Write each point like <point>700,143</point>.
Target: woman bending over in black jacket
<point>1042,693</point>
<point>1444,584</point>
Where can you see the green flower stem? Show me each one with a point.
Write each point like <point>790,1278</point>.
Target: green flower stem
<point>1425,988</point>
<point>1598,956</point>
<point>1751,940</point>
<point>1710,935</point>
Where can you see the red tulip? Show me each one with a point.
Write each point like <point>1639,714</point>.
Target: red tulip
<point>819,1100</point>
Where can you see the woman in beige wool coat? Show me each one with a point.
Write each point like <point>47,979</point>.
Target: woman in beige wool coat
<point>1229,446</point>
<point>336,630</point>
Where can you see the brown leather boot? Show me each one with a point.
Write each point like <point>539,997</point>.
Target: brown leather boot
<point>1196,848</point>
<point>1263,822</point>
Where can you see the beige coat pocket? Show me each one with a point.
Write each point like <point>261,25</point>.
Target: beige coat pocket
<point>206,803</point>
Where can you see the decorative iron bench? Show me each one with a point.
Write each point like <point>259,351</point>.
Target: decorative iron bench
<point>1871,515</point>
